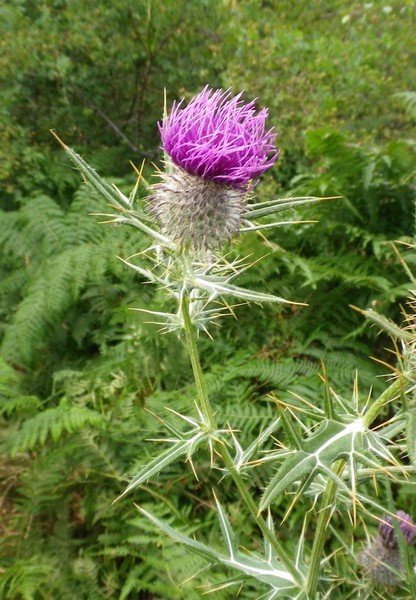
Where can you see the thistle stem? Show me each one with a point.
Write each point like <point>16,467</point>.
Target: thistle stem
<point>320,534</point>
<point>330,492</point>
<point>191,344</point>
<point>387,396</point>
<point>206,408</point>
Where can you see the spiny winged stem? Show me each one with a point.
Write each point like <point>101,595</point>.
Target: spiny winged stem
<point>327,505</point>
<point>221,448</point>
<point>190,335</point>
<point>394,390</point>
<point>314,569</point>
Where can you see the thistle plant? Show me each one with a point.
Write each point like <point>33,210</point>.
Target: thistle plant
<point>381,559</point>
<point>215,149</point>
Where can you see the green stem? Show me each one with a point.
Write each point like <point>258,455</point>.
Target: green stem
<point>320,534</point>
<point>261,523</point>
<point>331,489</point>
<point>205,406</point>
<point>391,392</point>
<point>190,335</point>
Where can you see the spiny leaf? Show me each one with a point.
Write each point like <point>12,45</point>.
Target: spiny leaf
<point>386,324</point>
<point>255,566</point>
<point>153,467</point>
<point>274,206</point>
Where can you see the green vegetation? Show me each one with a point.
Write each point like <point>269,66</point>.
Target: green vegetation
<point>85,381</point>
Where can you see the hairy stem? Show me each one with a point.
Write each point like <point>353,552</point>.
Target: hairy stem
<point>191,344</point>
<point>221,448</point>
<point>320,534</point>
<point>387,396</point>
<point>331,489</point>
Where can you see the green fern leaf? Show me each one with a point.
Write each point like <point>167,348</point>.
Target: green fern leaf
<point>53,423</point>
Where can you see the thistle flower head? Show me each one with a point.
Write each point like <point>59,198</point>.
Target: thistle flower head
<point>219,138</point>
<point>216,146</point>
<point>407,527</point>
<point>381,560</point>
<point>381,564</point>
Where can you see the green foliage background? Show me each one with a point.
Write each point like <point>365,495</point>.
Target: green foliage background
<point>78,367</point>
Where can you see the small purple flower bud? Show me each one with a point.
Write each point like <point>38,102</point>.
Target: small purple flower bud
<point>407,527</point>
<point>216,146</point>
<point>381,563</point>
<point>380,560</point>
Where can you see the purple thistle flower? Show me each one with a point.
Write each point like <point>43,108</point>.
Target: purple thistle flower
<point>219,138</point>
<point>407,527</point>
<point>381,559</point>
<point>216,146</point>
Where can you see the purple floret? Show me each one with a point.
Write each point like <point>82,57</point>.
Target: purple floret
<point>408,529</point>
<point>219,138</point>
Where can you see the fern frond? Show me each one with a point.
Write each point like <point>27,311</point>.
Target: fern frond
<point>53,422</point>
<point>19,404</point>
<point>27,577</point>
<point>409,101</point>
